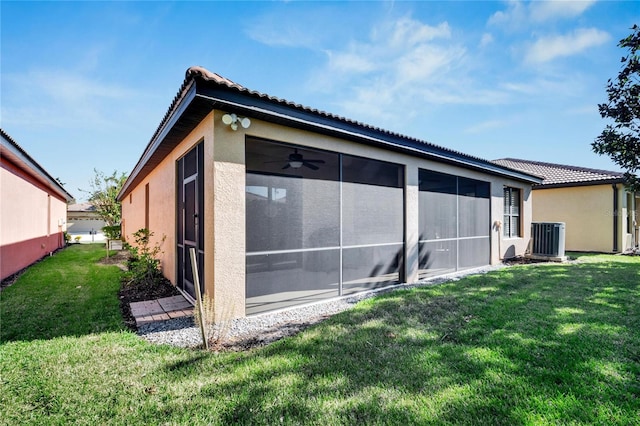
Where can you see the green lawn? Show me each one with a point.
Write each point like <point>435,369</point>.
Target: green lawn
<point>544,344</point>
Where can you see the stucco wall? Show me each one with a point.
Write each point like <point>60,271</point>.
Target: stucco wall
<point>162,199</point>
<point>31,221</point>
<point>224,182</point>
<point>587,212</point>
<point>229,180</point>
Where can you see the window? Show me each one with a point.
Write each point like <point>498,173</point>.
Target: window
<point>511,223</point>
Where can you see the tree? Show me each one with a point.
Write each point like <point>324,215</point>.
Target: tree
<point>103,193</point>
<point>621,141</point>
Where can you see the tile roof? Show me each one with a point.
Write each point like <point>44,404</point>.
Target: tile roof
<point>560,174</point>
<point>203,73</point>
<point>81,207</point>
<point>203,91</point>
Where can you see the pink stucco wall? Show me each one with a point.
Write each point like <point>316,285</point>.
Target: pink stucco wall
<point>32,219</point>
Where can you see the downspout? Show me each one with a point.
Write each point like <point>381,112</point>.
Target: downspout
<point>615,217</point>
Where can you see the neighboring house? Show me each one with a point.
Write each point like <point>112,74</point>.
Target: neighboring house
<point>287,205</point>
<point>599,213</point>
<point>33,209</point>
<point>84,221</point>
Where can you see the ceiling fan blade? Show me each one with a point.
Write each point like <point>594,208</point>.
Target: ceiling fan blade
<point>286,166</point>
<point>315,161</point>
<point>309,165</point>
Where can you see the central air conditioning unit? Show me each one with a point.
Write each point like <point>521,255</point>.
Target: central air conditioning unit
<point>547,241</point>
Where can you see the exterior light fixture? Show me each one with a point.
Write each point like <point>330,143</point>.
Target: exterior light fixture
<point>233,120</point>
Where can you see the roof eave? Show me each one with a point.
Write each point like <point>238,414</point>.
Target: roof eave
<point>583,183</point>
<point>212,95</point>
<point>307,120</point>
<point>25,162</point>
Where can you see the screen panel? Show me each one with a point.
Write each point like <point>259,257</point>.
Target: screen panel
<point>454,223</point>
<point>474,252</point>
<point>275,281</point>
<point>372,201</point>
<point>366,268</point>
<point>289,209</point>
<point>304,223</point>
<point>437,258</point>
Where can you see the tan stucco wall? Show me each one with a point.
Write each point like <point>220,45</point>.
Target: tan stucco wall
<point>224,182</point>
<point>588,214</point>
<point>234,140</point>
<point>162,199</point>
<point>228,229</point>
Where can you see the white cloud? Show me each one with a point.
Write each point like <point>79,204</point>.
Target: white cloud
<point>548,48</point>
<point>407,32</point>
<point>287,27</point>
<point>283,36</point>
<point>486,126</point>
<point>404,66</point>
<point>349,62</point>
<point>513,16</point>
<point>68,99</point>
<point>486,40</point>
<point>549,10</point>
<point>519,14</point>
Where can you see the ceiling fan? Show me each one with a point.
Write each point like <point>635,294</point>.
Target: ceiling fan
<point>296,160</point>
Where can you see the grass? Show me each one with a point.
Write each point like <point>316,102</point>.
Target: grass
<point>68,294</point>
<point>544,344</point>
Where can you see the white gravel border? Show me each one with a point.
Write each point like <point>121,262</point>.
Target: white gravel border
<point>182,332</point>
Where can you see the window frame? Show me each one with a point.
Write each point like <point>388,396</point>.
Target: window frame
<point>508,216</point>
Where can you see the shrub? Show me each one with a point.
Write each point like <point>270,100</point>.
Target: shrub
<point>144,266</point>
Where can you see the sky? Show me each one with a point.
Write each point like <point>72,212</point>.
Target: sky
<point>84,85</point>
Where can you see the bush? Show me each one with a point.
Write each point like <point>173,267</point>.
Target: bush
<point>112,232</point>
<point>144,266</point>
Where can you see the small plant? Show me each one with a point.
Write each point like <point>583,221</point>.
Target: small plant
<point>77,238</point>
<point>67,237</point>
<point>144,266</point>
<point>217,332</point>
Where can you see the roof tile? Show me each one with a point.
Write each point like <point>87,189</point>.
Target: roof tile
<point>560,174</point>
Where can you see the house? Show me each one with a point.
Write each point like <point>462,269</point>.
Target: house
<point>286,205</point>
<point>599,213</point>
<point>33,209</point>
<point>84,221</point>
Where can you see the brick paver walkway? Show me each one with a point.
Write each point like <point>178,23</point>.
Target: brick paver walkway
<point>161,309</point>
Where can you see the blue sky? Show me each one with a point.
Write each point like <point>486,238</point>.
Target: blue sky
<point>85,84</point>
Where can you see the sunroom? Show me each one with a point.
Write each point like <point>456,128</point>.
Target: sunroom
<point>286,205</point>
